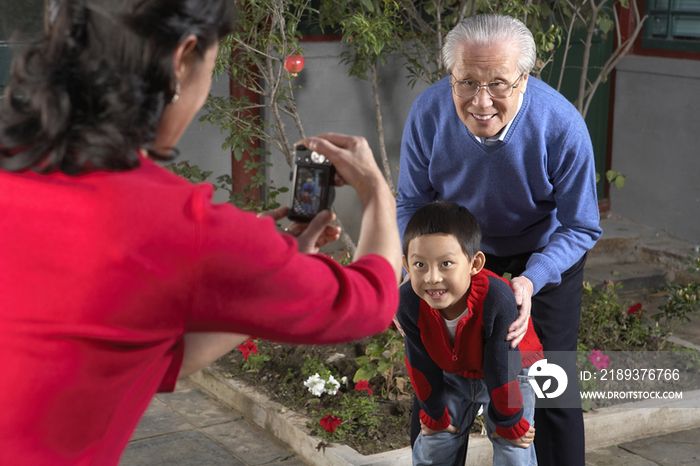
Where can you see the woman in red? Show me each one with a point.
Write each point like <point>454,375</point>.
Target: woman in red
<point>116,276</point>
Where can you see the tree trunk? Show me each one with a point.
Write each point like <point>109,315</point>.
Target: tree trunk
<point>380,129</point>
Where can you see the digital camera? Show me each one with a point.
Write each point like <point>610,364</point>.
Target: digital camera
<point>312,185</point>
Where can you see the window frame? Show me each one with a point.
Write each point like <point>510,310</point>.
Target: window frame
<point>5,68</point>
<point>668,43</point>
<point>31,30</point>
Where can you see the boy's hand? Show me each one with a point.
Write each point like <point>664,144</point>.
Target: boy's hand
<point>522,442</point>
<point>522,289</point>
<point>427,431</point>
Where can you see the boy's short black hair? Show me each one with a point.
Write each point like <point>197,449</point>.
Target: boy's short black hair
<point>448,218</point>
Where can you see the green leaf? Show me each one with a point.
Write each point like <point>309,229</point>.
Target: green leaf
<point>620,181</point>
<point>369,5</point>
<point>606,25</point>
<point>625,3</point>
<point>365,373</point>
<point>362,360</point>
<point>374,349</point>
<point>238,153</point>
<point>384,365</point>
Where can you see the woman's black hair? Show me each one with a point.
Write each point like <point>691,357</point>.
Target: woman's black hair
<point>92,91</point>
<point>447,218</point>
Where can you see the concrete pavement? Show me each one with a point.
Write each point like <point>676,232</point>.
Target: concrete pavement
<point>676,449</point>
<point>190,428</point>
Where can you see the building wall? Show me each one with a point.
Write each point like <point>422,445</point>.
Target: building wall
<point>656,144</point>
<point>201,143</point>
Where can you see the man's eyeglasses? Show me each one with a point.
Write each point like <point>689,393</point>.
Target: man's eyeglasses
<point>467,88</point>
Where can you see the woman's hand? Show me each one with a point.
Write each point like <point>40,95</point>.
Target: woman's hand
<point>355,165</point>
<point>311,236</point>
<point>352,158</point>
<point>522,442</point>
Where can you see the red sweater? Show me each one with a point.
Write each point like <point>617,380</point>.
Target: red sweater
<point>102,274</point>
<point>480,351</point>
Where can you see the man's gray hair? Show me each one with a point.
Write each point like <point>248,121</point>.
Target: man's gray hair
<point>490,29</point>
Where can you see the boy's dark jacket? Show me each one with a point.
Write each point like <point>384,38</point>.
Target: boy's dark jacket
<point>480,351</point>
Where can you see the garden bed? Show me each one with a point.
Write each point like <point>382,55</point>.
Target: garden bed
<point>282,378</point>
<point>372,413</point>
<point>604,427</point>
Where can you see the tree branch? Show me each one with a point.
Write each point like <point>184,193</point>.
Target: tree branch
<point>380,129</point>
<point>617,55</point>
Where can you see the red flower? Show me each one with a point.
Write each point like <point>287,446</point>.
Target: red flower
<point>330,422</point>
<point>636,309</point>
<point>248,347</point>
<point>363,385</point>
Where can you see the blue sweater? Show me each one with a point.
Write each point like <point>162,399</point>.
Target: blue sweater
<point>535,189</point>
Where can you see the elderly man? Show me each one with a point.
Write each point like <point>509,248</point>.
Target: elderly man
<point>518,155</point>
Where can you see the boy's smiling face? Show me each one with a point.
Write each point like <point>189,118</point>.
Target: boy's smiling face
<point>441,272</point>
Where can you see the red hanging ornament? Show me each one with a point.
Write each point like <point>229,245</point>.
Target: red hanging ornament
<point>294,64</point>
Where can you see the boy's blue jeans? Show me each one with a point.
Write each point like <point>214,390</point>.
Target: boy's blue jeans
<point>464,397</point>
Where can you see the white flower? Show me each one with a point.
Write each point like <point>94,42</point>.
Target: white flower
<point>344,380</point>
<point>315,384</point>
<point>318,386</point>
<point>334,385</point>
<point>481,410</point>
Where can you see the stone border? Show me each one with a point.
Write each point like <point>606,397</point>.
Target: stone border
<point>604,427</point>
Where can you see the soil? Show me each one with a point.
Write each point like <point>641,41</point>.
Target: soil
<point>281,379</point>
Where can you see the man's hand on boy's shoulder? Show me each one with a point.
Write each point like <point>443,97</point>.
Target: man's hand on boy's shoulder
<point>523,442</point>
<point>522,289</point>
<point>426,431</point>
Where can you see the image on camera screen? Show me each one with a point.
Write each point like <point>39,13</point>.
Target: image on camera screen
<point>309,190</point>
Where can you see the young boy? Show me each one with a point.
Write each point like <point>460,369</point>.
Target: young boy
<point>455,315</point>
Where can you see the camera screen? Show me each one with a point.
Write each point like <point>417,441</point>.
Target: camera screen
<point>311,182</point>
